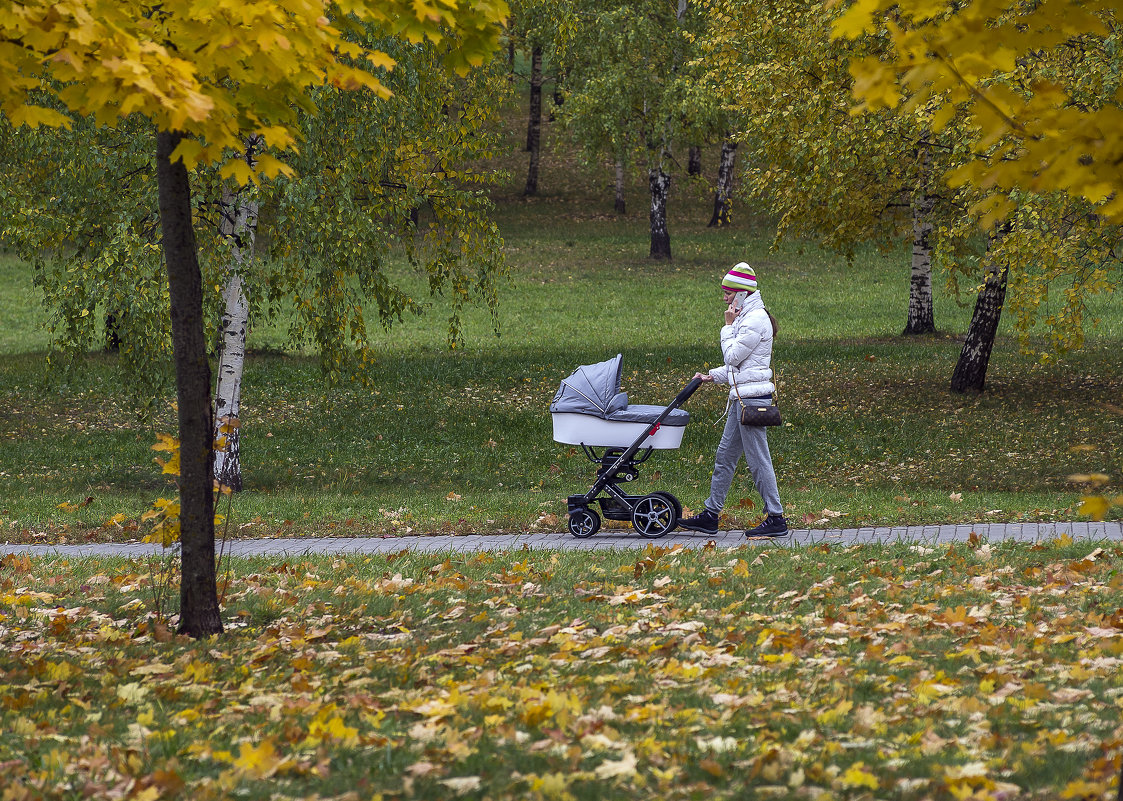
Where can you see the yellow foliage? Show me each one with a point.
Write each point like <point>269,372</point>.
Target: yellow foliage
<point>216,75</point>
<point>949,56</point>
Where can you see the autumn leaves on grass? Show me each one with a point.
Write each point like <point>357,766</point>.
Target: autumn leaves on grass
<point>976,671</point>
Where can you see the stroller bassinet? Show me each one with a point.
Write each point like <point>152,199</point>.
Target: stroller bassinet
<point>590,410</point>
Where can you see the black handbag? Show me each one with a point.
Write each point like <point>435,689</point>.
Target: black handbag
<point>757,412</point>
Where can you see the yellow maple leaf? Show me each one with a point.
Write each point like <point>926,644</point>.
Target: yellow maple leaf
<point>1094,506</point>
<point>856,20</point>
<point>166,442</point>
<point>259,761</point>
<point>857,776</point>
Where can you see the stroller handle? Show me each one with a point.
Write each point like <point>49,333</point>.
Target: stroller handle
<point>687,391</point>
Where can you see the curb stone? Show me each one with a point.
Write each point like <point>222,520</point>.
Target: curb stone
<point>607,540</point>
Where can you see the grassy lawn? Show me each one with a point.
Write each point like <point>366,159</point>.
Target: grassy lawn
<point>460,440</point>
<point>887,672</point>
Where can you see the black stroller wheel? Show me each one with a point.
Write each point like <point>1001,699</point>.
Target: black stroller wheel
<point>654,515</point>
<point>674,504</point>
<point>583,523</point>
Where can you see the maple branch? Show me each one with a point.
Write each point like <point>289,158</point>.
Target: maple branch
<point>981,97</point>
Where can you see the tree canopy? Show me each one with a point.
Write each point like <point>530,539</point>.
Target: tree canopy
<point>1040,82</point>
<point>214,71</point>
<point>207,75</point>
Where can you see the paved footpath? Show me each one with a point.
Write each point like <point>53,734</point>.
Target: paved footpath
<point>614,539</point>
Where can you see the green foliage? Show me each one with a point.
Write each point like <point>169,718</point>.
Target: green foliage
<point>821,172</point>
<point>376,179</point>
<point>87,220</point>
<point>625,66</point>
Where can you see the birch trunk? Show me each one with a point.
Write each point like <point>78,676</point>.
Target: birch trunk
<point>534,123</point>
<point>239,225</point>
<point>971,370</point>
<point>660,237</point>
<point>723,197</point>
<point>694,161</point>
<point>921,317</point>
<point>199,613</point>
<point>620,206</point>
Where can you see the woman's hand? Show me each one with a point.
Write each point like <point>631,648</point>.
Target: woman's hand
<point>731,314</point>
<point>706,377</point>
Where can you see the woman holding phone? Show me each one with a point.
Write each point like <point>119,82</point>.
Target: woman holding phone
<point>746,347</point>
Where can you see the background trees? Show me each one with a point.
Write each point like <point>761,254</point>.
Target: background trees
<point>625,66</point>
<point>1038,90</point>
<point>823,173</point>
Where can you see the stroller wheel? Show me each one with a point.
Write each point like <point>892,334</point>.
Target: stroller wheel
<point>654,515</point>
<point>584,523</point>
<point>674,504</point>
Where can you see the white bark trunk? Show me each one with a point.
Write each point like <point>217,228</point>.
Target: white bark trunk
<point>921,317</point>
<point>723,197</point>
<point>660,184</point>
<point>239,225</point>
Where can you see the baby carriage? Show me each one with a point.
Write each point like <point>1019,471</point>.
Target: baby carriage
<point>590,410</point>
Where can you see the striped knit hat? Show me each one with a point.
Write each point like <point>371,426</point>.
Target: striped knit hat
<point>741,278</point>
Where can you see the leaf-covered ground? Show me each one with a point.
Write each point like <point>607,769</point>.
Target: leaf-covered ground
<point>903,672</point>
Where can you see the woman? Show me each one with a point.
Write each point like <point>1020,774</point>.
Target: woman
<point>746,347</point>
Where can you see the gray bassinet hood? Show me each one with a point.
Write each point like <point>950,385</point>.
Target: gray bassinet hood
<point>592,389</point>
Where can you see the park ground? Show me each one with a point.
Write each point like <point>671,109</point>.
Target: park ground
<point>972,670</point>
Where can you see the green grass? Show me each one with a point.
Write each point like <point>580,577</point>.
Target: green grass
<point>898,671</point>
<point>460,440</point>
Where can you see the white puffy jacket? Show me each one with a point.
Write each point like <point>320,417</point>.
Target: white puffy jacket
<point>746,348</point>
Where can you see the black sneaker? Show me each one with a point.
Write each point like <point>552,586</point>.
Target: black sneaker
<point>771,526</point>
<point>706,522</point>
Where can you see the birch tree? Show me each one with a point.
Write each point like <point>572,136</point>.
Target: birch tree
<point>1041,115</point>
<point>537,26</point>
<point>238,210</point>
<point>723,193</point>
<point>821,172</point>
<point>205,78</point>
<point>625,66</point>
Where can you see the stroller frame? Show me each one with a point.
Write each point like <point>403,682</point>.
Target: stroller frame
<point>652,515</point>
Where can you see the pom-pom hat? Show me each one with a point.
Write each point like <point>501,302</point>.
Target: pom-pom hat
<point>741,278</point>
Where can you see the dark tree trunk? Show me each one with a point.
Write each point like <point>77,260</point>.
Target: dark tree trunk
<point>534,120</point>
<point>694,161</point>
<point>620,207</point>
<point>558,97</point>
<point>112,334</point>
<point>660,237</point>
<point>199,613</point>
<point>921,317</point>
<point>971,369</point>
<point>723,197</point>
<point>534,124</point>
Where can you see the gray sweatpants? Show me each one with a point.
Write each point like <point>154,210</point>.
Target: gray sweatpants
<point>752,442</point>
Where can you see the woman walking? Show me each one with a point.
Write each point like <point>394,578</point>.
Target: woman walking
<point>746,347</point>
